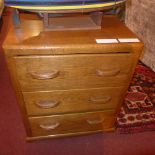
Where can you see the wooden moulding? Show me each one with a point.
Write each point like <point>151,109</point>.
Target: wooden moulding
<point>73,22</point>
<point>32,139</point>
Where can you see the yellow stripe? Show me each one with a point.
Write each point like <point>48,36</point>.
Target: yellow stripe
<point>66,7</point>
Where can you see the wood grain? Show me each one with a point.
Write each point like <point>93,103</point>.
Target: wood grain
<point>30,39</point>
<point>70,101</point>
<point>75,72</point>
<point>71,123</point>
<point>67,84</point>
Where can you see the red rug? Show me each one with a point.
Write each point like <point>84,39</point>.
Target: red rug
<point>138,111</point>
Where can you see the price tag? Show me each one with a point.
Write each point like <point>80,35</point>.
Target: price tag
<point>106,41</point>
<point>129,40</point>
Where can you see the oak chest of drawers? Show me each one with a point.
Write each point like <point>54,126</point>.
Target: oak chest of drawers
<point>65,82</point>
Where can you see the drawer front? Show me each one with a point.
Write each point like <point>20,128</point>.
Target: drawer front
<point>67,101</point>
<point>38,73</point>
<point>71,123</point>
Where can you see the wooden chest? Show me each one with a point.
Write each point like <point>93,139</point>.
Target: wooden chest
<point>65,82</point>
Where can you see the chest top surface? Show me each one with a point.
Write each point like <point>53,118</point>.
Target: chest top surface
<point>30,35</point>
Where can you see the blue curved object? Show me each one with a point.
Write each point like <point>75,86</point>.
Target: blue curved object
<point>62,5</point>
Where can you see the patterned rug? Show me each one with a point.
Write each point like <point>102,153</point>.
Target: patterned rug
<point>138,111</point>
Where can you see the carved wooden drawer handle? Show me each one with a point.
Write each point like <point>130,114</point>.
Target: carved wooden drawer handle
<point>44,75</point>
<point>101,100</point>
<point>47,104</point>
<point>50,126</point>
<point>113,72</point>
<point>95,121</point>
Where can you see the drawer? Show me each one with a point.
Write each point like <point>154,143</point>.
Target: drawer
<point>66,101</point>
<point>39,73</point>
<point>71,123</point>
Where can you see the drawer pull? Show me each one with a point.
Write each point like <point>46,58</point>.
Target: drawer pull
<point>50,126</point>
<point>95,121</point>
<point>44,75</point>
<point>101,100</point>
<point>113,72</point>
<point>47,104</point>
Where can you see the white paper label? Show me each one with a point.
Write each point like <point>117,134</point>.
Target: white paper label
<point>108,41</point>
<point>129,40</point>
